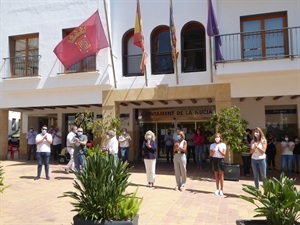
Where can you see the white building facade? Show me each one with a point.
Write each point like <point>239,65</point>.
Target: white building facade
<point>259,71</point>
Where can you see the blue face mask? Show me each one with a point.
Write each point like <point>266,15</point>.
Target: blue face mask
<point>79,133</point>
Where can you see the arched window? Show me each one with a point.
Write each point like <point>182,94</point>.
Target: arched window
<point>193,52</point>
<point>132,56</point>
<point>161,52</point>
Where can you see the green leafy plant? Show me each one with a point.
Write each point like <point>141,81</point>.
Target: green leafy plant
<point>2,187</point>
<point>98,127</point>
<point>229,123</point>
<point>101,190</point>
<point>279,201</point>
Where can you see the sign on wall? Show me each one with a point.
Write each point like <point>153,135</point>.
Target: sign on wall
<point>184,113</point>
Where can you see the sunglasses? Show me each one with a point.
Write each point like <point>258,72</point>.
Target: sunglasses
<point>44,129</point>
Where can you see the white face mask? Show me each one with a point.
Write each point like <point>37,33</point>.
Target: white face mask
<point>286,139</point>
<point>124,132</point>
<point>44,131</point>
<point>148,137</point>
<point>256,134</point>
<point>217,139</point>
<point>107,136</point>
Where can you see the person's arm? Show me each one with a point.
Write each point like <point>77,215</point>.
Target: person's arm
<point>211,150</point>
<point>183,149</point>
<point>222,151</point>
<point>292,146</point>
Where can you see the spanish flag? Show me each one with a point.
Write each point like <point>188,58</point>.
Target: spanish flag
<point>138,38</point>
<point>173,34</point>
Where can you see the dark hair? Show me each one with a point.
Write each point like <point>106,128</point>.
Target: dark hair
<point>249,130</point>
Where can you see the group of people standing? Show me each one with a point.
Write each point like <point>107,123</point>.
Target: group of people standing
<point>179,150</point>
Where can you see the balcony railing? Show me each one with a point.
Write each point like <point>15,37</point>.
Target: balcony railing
<point>260,45</point>
<point>21,66</point>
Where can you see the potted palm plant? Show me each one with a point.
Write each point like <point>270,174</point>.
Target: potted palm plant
<point>229,123</point>
<point>100,195</point>
<point>279,202</point>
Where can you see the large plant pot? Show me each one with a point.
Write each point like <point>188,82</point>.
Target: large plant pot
<point>251,222</point>
<point>254,222</point>
<point>232,172</point>
<point>78,220</point>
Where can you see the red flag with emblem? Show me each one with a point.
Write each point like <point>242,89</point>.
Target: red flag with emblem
<point>82,42</point>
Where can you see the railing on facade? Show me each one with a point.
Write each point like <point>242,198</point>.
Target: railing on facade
<point>21,66</point>
<point>260,45</point>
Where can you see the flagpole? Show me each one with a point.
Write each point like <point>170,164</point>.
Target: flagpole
<point>211,61</point>
<point>109,41</point>
<point>176,69</point>
<point>145,75</point>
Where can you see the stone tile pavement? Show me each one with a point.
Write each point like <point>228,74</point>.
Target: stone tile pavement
<point>36,202</point>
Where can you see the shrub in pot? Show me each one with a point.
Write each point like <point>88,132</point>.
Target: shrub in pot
<point>279,202</point>
<point>229,123</point>
<point>100,192</point>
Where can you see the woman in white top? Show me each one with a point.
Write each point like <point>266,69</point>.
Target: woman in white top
<point>217,152</point>
<point>287,157</point>
<point>258,148</point>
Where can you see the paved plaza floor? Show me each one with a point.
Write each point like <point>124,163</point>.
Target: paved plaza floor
<point>32,202</point>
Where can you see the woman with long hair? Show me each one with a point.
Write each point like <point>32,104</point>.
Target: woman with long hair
<point>218,152</point>
<point>258,148</point>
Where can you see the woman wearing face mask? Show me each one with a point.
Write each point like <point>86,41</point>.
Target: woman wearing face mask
<point>287,148</point>
<point>179,150</point>
<point>218,152</point>
<point>149,149</point>
<point>258,148</point>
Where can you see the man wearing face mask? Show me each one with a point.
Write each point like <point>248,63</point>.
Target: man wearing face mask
<point>124,141</point>
<point>169,145</point>
<point>287,148</point>
<point>43,142</point>
<point>79,143</point>
<point>112,146</point>
<point>70,148</point>
<point>31,146</point>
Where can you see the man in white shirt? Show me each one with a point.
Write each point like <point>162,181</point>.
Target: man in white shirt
<point>43,142</point>
<point>70,148</point>
<point>124,141</point>
<point>112,146</point>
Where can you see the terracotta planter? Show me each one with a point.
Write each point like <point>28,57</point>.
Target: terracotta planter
<point>78,220</point>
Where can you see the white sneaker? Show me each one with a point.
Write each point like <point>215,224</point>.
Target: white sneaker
<point>217,192</point>
<point>221,193</point>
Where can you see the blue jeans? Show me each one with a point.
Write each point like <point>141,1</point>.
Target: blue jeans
<point>259,168</point>
<point>124,154</point>
<point>43,159</point>
<point>287,161</point>
<point>79,159</point>
<point>297,163</point>
<point>199,154</point>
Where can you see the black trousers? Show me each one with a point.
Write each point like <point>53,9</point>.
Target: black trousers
<point>247,164</point>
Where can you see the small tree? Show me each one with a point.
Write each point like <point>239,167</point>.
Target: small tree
<point>229,123</point>
<point>98,127</point>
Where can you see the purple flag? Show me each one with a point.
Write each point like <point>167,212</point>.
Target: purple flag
<point>212,30</point>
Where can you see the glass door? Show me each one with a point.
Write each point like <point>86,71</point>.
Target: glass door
<point>162,129</point>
